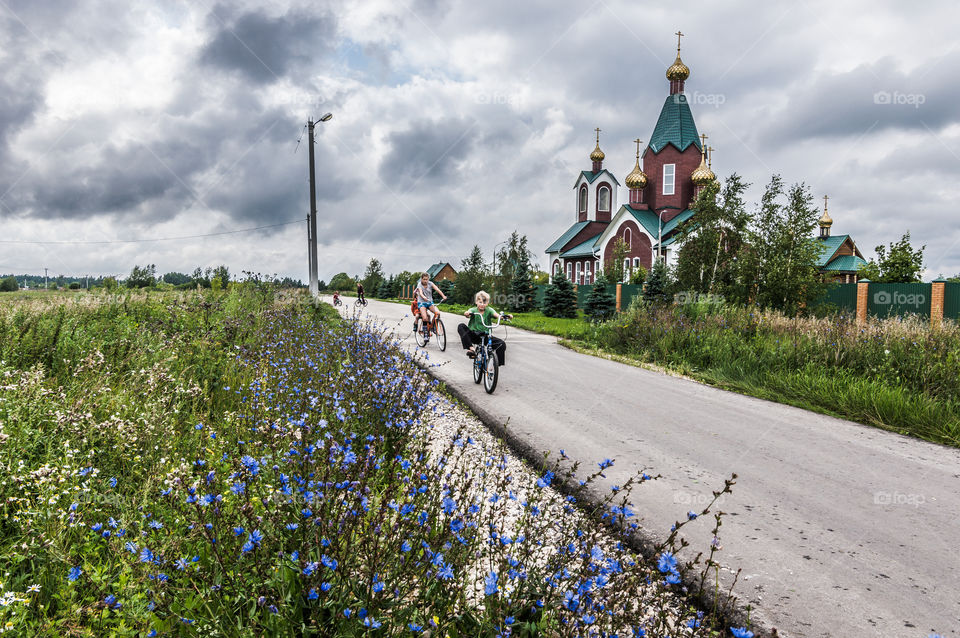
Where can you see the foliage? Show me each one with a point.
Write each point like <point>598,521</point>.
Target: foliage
<point>782,259</point>
<point>373,276</point>
<point>600,304</point>
<point>639,275</point>
<point>658,284</point>
<point>522,293</point>
<point>446,286</point>
<point>560,300</point>
<point>221,274</point>
<point>342,282</point>
<point>513,256</point>
<point>384,290</point>
<point>899,263</point>
<point>176,278</point>
<point>712,240</point>
<point>142,276</point>
<point>471,277</point>
<point>244,464</point>
<point>9,284</point>
<point>540,278</point>
<point>614,266</point>
<point>109,283</point>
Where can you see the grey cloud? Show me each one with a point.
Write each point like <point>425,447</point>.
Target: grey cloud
<point>428,152</point>
<point>265,48</point>
<point>871,98</point>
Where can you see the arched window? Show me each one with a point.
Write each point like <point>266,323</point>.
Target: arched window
<point>627,237</point>
<point>603,199</point>
<point>636,262</point>
<point>556,268</point>
<point>570,272</point>
<point>583,199</point>
<point>586,273</point>
<point>578,281</point>
<point>626,270</point>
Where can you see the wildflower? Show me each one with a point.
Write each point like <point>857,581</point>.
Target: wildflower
<point>113,482</point>
<point>490,585</point>
<point>146,556</point>
<point>238,531</point>
<point>312,594</point>
<point>667,562</point>
<point>741,632</point>
<point>292,526</point>
<point>110,600</point>
<point>325,587</point>
<point>445,573</point>
<point>256,537</point>
<point>330,563</point>
<point>74,574</point>
<point>33,589</point>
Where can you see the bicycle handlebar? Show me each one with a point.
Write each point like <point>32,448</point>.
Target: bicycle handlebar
<point>486,325</point>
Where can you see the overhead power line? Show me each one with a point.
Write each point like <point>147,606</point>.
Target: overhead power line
<point>138,241</point>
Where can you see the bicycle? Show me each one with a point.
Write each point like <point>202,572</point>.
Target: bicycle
<point>360,302</point>
<point>486,366</point>
<point>337,301</point>
<point>434,325</point>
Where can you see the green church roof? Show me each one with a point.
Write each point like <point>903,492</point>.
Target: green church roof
<point>675,126</point>
<point>584,249</point>
<point>845,263</point>
<point>830,245</point>
<point>567,236</point>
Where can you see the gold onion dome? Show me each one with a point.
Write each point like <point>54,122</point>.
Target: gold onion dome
<point>678,70</point>
<point>637,178</point>
<point>597,155</point>
<point>702,174</point>
<point>826,221</point>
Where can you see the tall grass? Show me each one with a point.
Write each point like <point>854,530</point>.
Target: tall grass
<point>238,464</point>
<point>894,373</point>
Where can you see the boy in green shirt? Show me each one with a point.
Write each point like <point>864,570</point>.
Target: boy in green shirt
<point>472,332</point>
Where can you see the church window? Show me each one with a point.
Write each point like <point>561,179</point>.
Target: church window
<point>570,272</point>
<point>626,270</point>
<point>669,171</point>
<point>627,237</point>
<point>586,273</point>
<point>636,262</point>
<point>603,198</point>
<point>578,274</point>
<point>583,199</point>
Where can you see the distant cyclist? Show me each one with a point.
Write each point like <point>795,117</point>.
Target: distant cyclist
<point>360,293</point>
<point>423,294</point>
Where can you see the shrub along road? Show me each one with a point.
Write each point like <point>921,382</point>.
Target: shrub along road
<point>840,529</point>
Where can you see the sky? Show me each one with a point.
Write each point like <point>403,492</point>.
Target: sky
<point>162,132</point>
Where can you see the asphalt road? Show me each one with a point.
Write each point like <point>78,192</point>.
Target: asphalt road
<point>840,529</point>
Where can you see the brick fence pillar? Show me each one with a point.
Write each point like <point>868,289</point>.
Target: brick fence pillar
<point>619,296</point>
<point>936,303</point>
<point>863,287</point>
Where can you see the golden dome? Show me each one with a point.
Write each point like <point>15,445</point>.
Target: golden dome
<point>597,155</point>
<point>678,70</point>
<point>702,174</point>
<point>825,221</point>
<point>637,178</point>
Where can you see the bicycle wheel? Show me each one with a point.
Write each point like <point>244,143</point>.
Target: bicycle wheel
<point>441,335</point>
<point>491,372</point>
<point>478,366</point>
<point>418,332</point>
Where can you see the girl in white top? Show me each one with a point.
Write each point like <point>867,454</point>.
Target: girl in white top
<point>423,293</point>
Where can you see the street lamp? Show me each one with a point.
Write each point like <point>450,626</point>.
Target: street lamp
<point>312,227</point>
<point>660,234</point>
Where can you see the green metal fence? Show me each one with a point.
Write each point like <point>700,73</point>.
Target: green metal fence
<point>629,292</point>
<point>951,300</point>
<point>841,296</point>
<point>889,300</point>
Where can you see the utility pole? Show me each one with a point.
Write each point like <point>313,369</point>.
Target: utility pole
<point>46,284</point>
<point>312,230</point>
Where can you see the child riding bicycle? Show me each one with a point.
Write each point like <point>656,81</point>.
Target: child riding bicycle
<point>472,332</point>
<point>423,294</point>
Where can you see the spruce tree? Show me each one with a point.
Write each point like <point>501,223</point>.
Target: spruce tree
<point>521,288</point>
<point>656,290</point>
<point>560,299</point>
<point>385,290</point>
<point>600,304</point>
<point>446,286</point>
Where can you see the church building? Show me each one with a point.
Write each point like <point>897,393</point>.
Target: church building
<point>664,182</point>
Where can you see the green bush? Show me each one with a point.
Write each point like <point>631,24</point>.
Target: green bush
<point>560,300</point>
